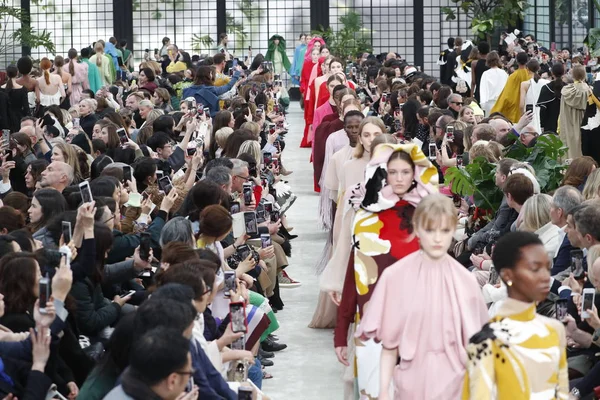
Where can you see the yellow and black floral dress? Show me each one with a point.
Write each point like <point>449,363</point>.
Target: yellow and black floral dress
<point>518,355</point>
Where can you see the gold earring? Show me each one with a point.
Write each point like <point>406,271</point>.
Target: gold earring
<point>509,283</point>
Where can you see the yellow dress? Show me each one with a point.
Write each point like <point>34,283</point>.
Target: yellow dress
<point>509,100</point>
<point>518,355</point>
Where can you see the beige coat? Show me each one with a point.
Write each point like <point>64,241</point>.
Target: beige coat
<point>573,103</point>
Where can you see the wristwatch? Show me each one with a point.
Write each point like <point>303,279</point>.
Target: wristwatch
<point>575,392</point>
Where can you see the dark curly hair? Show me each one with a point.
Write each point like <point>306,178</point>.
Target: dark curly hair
<point>18,277</point>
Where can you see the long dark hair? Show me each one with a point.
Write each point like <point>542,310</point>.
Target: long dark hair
<point>104,240</point>
<point>18,273</point>
<point>11,72</point>
<point>204,76</point>
<point>409,118</point>
<point>52,203</point>
<point>556,85</point>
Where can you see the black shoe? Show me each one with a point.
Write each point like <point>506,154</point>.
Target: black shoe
<point>265,362</point>
<point>270,345</point>
<point>274,338</point>
<point>265,354</point>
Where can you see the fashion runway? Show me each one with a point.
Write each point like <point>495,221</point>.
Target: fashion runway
<point>308,368</point>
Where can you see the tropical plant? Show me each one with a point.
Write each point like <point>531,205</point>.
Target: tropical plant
<point>486,15</point>
<point>252,15</point>
<point>200,43</point>
<point>593,38</point>
<point>24,35</point>
<point>353,38</point>
<point>477,179</point>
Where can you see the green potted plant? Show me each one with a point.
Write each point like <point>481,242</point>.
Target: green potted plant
<point>477,179</point>
<point>353,38</point>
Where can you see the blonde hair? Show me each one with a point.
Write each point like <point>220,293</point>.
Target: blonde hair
<point>70,157</point>
<point>91,103</point>
<point>359,150</point>
<point>222,135</point>
<point>99,48</point>
<point>431,210</point>
<point>153,116</point>
<point>483,149</point>
<point>252,127</point>
<point>591,190</point>
<point>253,148</point>
<point>153,65</point>
<point>146,103</point>
<point>536,212</point>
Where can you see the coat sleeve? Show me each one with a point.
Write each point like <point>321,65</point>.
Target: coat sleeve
<point>480,375</point>
<point>90,320</point>
<point>347,308</point>
<point>37,386</point>
<point>118,273</point>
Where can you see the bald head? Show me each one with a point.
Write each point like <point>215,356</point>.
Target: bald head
<point>501,127</point>
<point>57,175</point>
<point>30,132</point>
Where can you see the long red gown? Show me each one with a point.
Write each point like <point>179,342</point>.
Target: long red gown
<point>310,100</point>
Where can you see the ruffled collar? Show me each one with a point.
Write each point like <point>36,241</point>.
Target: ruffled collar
<point>516,310</point>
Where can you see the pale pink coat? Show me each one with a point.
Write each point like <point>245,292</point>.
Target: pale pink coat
<point>79,82</point>
<point>320,113</point>
<point>428,310</point>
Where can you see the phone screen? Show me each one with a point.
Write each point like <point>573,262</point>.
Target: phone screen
<point>529,108</point>
<point>588,303</point>
<point>127,174</point>
<point>250,223</point>
<point>238,317</point>
<point>265,240</point>
<point>145,240</point>
<point>432,151</point>
<point>247,194</point>
<point>561,309</point>
<point>86,192</point>
<point>275,216</point>
<point>229,283</point>
<point>244,393</point>
<point>44,294</point>
<point>577,262</point>
<point>66,231</point>
<point>235,207</point>
<point>165,184</point>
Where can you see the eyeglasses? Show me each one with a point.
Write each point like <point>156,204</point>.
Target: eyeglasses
<point>246,178</point>
<point>457,103</point>
<point>207,291</point>
<point>110,219</point>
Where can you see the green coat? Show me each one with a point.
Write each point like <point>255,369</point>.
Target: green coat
<point>280,49</point>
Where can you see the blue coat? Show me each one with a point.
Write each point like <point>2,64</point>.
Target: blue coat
<point>209,95</point>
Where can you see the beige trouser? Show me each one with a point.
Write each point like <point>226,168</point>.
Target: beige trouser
<point>273,263</point>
